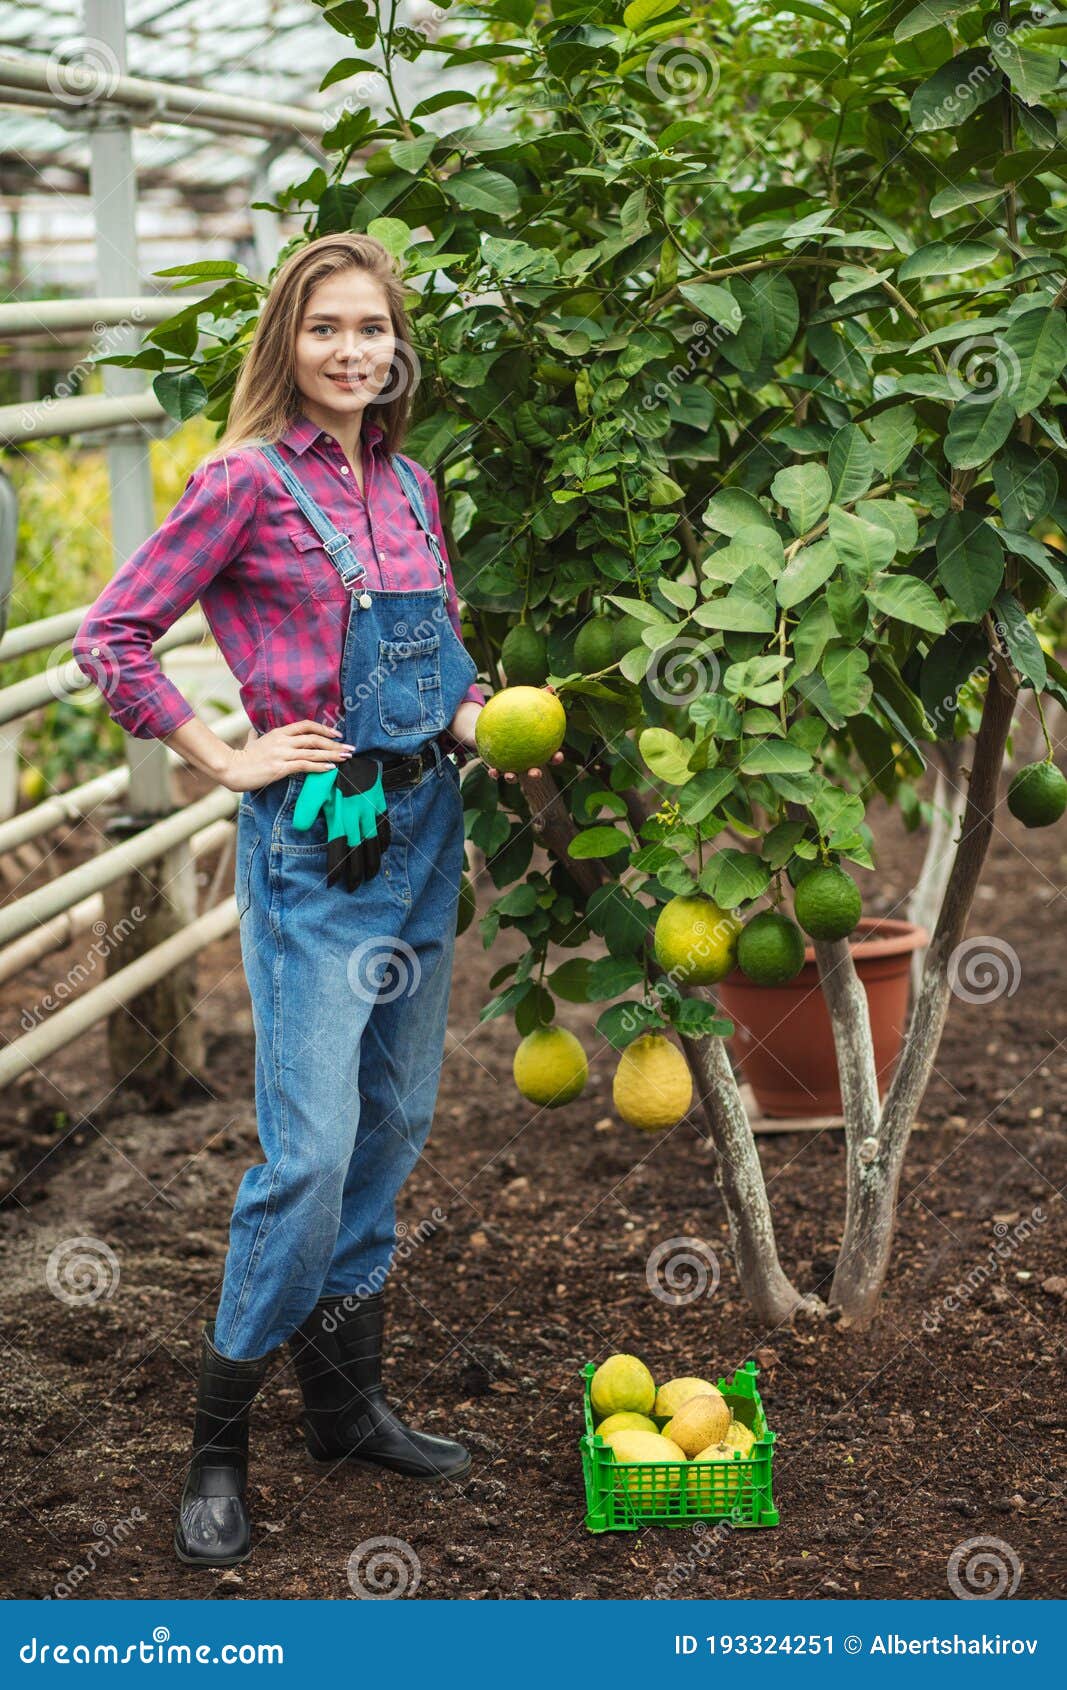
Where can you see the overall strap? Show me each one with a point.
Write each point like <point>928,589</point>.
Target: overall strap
<point>404,470</point>
<point>344,560</point>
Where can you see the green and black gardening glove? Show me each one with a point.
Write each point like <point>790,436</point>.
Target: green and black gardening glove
<point>357,821</point>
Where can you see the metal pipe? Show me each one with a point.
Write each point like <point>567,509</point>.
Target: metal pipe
<point>63,929</point>
<point>66,1025</point>
<point>154,102</point>
<point>64,679</point>
<point>145,847</point>
<point>74,805</point>
<point>46,631</point>
<point>44,417</point>
<point>41,316</point>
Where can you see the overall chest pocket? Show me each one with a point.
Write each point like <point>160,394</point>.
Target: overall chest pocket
<point>410,699</point>
<point>311,558</point>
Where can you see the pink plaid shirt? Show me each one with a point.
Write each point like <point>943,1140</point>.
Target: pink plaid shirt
<point>237,541</point>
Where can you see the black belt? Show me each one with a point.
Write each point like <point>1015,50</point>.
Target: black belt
<point>407,771</point>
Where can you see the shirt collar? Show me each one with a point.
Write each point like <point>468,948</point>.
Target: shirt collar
<point>302,433</point>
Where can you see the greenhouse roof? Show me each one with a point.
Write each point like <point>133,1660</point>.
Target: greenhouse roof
<point>193,183</point>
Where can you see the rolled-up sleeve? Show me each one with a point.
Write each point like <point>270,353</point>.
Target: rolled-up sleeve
<point>474,692</point>
<point>163,579</point>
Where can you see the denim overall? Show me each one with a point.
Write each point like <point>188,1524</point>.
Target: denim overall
<point>349,989</point>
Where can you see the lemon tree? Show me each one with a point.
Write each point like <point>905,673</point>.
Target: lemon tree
<point>743,343</point>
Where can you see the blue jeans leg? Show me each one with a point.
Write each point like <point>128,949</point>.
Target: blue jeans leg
<point>404,1039</point>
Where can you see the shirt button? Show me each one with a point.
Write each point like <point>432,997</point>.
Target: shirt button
<point>344,470</point>
<point>96,651</point>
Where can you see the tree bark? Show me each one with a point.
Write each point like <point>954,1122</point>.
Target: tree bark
<point>928,896</point>
<point>864,1259</point>
<point>739,1176</point>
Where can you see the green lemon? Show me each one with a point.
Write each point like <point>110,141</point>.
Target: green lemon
<point>550,1067</point>
<point>1038,795</point>
<point>519,728</point>
<point>696,940</point>
<point>524,656</point>
<point>594,646</point>
<point>827,903</point>
<point>626,634</point>
<point>770,949</point>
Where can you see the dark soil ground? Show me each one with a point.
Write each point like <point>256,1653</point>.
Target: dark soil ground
<point>895,1446</point>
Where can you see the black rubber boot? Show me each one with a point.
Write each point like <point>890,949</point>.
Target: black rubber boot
<point>213,1528</point>
<point>337,1353</point>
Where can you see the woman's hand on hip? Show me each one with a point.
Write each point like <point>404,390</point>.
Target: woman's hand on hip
<point>298,748</point>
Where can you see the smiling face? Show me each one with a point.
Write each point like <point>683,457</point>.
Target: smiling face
<point>344,348</point>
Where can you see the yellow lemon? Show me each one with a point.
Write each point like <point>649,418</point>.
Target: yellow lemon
<point>653,1087</point>
<point>519,728</point>
<point>626,1422</point>
<point>643,1485</point>
<point>550,1067</point>
<point>622,1383</point>
<point>677,1392</point>
<point>701,1421</point>
<point>695,940</point>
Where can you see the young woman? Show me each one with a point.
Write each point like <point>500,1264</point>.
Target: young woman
<point>319,558</point>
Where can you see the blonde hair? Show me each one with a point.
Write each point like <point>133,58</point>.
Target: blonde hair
<point>266,398</point>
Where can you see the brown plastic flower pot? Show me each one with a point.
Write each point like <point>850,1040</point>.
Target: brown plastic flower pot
<point>783,1041</point>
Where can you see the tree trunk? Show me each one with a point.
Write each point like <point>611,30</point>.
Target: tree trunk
<point>864,1259</point>
<point>739,1177</point>
<point>949,796</point>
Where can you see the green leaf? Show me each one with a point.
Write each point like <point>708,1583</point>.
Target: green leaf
<point>1038,341</point>
<point>970,561</point>
<point>624,1022</point>
<point>479,189</point>
<point>775,756</point>
<point>844,669</point>
<point>705,793</point>
<point>181,396</point>
<point>836,812</point>
<point>609,976</point>
<point>569,980</point>
<point>861,546</point>
<point>1023,645</point>
<point>908,600</point>
<point>946,258</point>
<point>666,755</point>
<point>732,509</point>
<point>955,91</point>
<point>851,464</point>
<point>895,433</point>
<point>598,842</point>
<point>807,571</point>
<point>734,877</point>
<point>811,635</point>
<point>1031,73</point>
<point>977,428</point>
<point>737,612</point>
<point>804,490</point>
<point>713,301</point>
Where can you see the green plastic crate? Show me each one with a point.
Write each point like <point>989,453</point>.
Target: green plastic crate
<point>624,1496</point>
